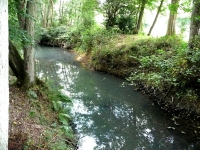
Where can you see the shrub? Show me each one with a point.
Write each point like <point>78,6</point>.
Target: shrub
<point>166,64</point>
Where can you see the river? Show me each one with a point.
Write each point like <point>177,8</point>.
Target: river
<point>109,114</point>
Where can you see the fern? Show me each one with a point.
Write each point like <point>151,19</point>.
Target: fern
<point>64,118</point>
<point>32,94</point>
<point>62,98</point>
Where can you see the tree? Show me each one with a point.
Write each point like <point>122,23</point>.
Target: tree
<point>16,63</point>
<point>16,36</point>
<point>21,10</point>
<point>127,17</point>
<point>194,23</point>
<point>72,13</point>
<point>47,12</point>
<point>154,22</point>
<point>173,7</point>
<point>122,13</point>
<point>140,17</point>
<point>4,91</point>
<point>111,8</point>
<point>29,59</point>
<point>51,4</point>
<point>23,33</point>
<point>88,13</point>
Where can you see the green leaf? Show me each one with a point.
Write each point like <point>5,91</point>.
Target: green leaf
<point>32,94</point>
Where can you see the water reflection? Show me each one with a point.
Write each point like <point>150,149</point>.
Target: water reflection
<point>108,115</point>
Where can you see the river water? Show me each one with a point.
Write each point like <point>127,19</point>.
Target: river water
<point>109,114</point>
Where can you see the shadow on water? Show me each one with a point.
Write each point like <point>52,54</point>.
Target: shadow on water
<point>109,114</point>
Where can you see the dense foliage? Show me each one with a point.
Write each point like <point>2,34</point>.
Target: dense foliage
<point>172,70</point>
<point>163,67</point>
<point>120,14</point>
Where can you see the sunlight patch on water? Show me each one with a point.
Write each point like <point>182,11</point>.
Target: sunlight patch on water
<point>148,135</point>
<point>88,143</point>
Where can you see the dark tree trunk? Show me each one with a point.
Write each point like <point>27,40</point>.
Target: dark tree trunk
<point>154,22</point>
<point>195,23</point>
<point>21,9</point>
<point>16,63</point>
<point>139,23</point>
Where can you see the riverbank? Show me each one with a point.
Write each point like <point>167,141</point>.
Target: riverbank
<point>105,107</point>
<point>163,68</point>
<point>34,124</point>
<point>182,124</point>
<point>160,67</point>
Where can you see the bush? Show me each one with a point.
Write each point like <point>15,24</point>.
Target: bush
<point>54,36</point>
<point>164,67</point>
<point>91,38</point>
<point>167,64</point>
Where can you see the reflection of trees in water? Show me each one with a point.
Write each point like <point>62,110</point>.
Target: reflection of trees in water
<point>112,127</point>
<point>129,129</point>
<point>117,124</point>
<point>114,122</point>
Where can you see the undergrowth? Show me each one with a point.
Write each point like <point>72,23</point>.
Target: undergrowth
<point>46,121</point>
<point>164,67</point>
<point>61,105</point>
<point>81,38</point>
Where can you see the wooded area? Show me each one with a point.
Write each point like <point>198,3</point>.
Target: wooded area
<point>167,65</point>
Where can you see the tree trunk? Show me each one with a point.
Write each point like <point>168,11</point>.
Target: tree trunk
<point>16,63</point>
<point>172,18</point>
<point>29,59</point>
<point>45,16</point>
<point>61,11</point>
<point>139,23</point>
<point>51,19</point>
<point>21,9</point>
<point>171,25</point>
<point>40,7</point>
<point>4,89</point>
<point>154,22</point>
<point>195,23</point>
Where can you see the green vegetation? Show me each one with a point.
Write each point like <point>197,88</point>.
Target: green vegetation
<point>45,123</point>
<point>115,55</point>
<point>166,68</point>
<point>53,36</point>
<point>60,104</point>
<point>163,67</point>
